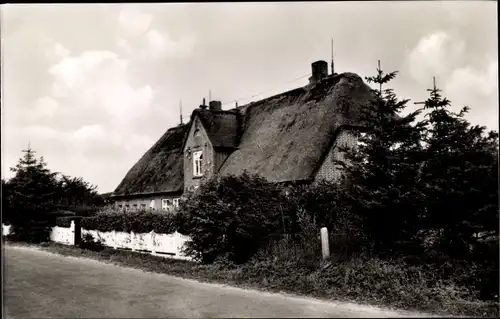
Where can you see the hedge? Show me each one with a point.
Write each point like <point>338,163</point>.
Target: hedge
<point>64,221</point>
<point>138,222</point>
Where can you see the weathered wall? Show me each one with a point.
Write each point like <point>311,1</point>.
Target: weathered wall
<point>143,202</point>
<point>329,170</point>
<point>219,158</point>
<point>165,245</point>
<point>193,144</point>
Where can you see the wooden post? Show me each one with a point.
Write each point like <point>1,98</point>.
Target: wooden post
<point>113,236</point>
<point>78,232</point>
<point>132,240</point>
<point>325,248</point>
<point>152,243</point>
<point>72,232</point>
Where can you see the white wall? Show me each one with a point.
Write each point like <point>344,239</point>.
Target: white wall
<point>165,245</point>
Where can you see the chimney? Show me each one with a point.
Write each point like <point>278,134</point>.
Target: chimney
<point>203,106</point>
<point>319,71</point>
<point>215,106</point>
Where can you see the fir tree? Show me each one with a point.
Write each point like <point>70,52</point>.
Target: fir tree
<point>33,191</point>
<point>383,169</point>
<point>460,177</point>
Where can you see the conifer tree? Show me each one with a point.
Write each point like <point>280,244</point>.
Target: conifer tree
<point>383,169</point>
<point>460,177</point>
<point>33,191</point>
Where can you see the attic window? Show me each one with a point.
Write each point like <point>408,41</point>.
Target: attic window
<point>198,163</point>
<point>197,132</point>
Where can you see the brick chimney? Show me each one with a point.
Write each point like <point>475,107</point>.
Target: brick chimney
<point>203,106</point>
<point>319,71</point>
<point>215,106</point>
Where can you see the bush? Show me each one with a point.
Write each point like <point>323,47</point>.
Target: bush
<point>138,222</point>
<point>30,232</point>
<point>89,242</point>
<point>232,216</point>
<point>64,221</point>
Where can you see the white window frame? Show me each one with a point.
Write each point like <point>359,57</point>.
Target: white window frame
<point>198,163</point>
<point>166,204</point>
<point>175,202</point>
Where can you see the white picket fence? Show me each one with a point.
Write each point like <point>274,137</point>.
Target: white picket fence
<point>165,245</point>
<point>5,230</point>
<point>63,235</point>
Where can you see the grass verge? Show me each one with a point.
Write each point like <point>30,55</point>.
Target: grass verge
<point>368,281</point>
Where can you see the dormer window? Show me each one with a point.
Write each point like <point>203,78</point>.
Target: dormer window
<point>198,163</point>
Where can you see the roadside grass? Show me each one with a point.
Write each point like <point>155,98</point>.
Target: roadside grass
<point>358,279</point>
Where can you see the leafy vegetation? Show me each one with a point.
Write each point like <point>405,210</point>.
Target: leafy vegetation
<point>232,216</point>
<point>137,221</point>
<point>35,196</point>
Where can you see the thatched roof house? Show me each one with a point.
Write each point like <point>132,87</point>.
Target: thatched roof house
<point>289,137</point>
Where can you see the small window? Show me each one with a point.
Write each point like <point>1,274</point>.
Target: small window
<point>127,206</point>
<point>152,204</point>
<point>198,163</point>
<point>176,202</point>
<point>120,206</point>
<point>166,204</point>
<point>143,206</point>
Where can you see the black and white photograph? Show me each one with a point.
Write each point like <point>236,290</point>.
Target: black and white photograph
<point>333,159</point>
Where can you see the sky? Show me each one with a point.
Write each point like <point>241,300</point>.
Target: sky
<point>92,87</point>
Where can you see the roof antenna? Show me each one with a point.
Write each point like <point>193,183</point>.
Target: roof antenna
<point>333,69</point>
<point>209,95</point>
<point>180,106</point>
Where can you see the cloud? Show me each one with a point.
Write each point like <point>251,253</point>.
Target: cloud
<point>45,107</point>
<point>434,55</point>
<point>97,81</point>
<point>133,22</point>
<point>468,81</point>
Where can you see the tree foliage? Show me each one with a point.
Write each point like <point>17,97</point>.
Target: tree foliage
<point>383,170</point>
<point>34,193</point>
<point>232,216</point>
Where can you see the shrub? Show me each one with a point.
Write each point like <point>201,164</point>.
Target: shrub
<point>31,232</point>
<point>138,222</point>
<point>232,216</point>
<point>91,243</point>
<point>64,221</point>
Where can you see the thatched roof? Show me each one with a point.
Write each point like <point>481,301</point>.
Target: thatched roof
<point>283,138</point>
<point>160,169</point>
<point>286,136</point>
<point>221,126</point>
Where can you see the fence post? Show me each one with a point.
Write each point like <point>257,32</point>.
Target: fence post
<point>325,248</point>
<point>132,239</point>
<point>113,238</point>
<point>153,246</point>
<point>72,233</point>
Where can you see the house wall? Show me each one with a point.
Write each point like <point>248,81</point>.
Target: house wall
<point>143,201</point>
<point>329,170</point>
<point>193,144</point>
<point>219,158</point>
